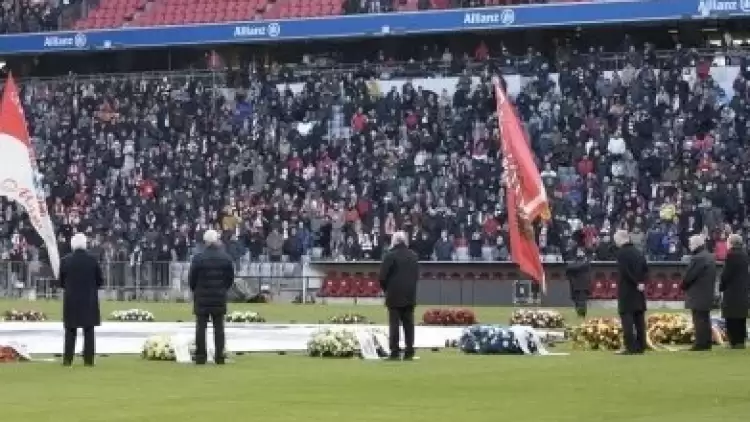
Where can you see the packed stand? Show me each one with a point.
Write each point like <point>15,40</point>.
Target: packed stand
<point>144,166</point>
<point>18,16</point>
<point>386,6</point>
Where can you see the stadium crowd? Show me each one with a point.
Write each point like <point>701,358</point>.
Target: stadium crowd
<point>331,170</point>
<point>29,16</point>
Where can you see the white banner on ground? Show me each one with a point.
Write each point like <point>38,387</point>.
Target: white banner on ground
<point>182,349</point>
<point>382,340</point>
<point>526,335</point>
<point>367,345</point>
<point>128,337</point>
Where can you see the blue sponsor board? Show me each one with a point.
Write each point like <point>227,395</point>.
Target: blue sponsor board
<point>497,18</point>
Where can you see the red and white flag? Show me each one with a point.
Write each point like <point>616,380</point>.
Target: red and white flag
<point>18,170</point>
<point>525,194</point>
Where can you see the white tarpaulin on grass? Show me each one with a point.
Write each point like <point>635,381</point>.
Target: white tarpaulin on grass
<point>128,337</point>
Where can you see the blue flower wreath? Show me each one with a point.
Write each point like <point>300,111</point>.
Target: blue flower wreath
<point>492,340</point>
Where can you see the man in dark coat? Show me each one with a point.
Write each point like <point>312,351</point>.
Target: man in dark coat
<point>735,288</point>
<point>578,273</point>
<point>631,299</point>
<point>399,273</point>
<point>210,278</point>
<point>80,278</point>
<point>699,285</point>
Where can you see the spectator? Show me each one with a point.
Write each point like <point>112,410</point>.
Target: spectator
<point>275,245</point>
<point>29,16</point>
<point>330,168</point>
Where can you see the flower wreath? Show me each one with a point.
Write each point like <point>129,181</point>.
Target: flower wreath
<point>29,316</point>
<point>538,318</point>
<point>449,317</point>
<point>132,315</point>
<point>162,348</point>
<point>244,317</point>
<point>497,339</point>
<point>349,319</point>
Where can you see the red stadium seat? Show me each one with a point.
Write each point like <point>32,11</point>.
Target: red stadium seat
<point>611,290</point>
<point>598,289</point>
<point>673,290</point>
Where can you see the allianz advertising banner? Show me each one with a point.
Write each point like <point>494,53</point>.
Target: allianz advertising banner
<point>378,25</point>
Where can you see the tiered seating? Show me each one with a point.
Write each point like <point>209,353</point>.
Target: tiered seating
<point>111,14</point>
<point>350,285</point>
<point>182,12</point>
<point>117,13</point>
<point>303,8</point>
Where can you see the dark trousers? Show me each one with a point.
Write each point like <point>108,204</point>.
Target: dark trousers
<point>580,302</point>
<point>397,317</point>
<point>736,331</point>
<point>634,331</point>
<point>702,326</point>
<point>89,345</point>
<point>201,324</point>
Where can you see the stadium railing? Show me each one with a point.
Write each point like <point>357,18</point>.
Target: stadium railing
<point>471,283</point>
<point>509,64</point>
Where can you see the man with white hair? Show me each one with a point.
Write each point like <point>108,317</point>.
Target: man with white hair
<point>632,270</point>
<point>80,278</point>
<point>399,273</point>
<point>699,285</point>
<point>210,278</point>
<point>734,285</point>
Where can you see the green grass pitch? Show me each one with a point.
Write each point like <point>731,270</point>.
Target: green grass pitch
<point>441,387</point>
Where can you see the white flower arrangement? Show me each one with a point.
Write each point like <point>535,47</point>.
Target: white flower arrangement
<point>159,348</point>
<point>162,348</point>
<point>337,343</point>
<point>244,317</point>
<point>132,315</point>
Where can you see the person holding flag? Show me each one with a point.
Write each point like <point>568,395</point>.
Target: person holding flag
<point>18,170</point>
<point>526,197</point>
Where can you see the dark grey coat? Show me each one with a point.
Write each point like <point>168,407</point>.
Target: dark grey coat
<point>632,270</point>
<point>210,278</point>
<point>81,278</point>
<point>699,283</point>
<point>735,285</point>
<point>399,273</point>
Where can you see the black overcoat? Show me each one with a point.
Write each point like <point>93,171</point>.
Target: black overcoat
<point>81,278</point>
<point>699,282</point>
<point>735,285</point>
<point>632,269</point>
<point>579,276</point>
<point>399,273</point>
<point>210,278</point>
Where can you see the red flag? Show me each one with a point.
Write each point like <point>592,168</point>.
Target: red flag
<point>13,122</point>
<point>525,195</point>
<point>18,172</point>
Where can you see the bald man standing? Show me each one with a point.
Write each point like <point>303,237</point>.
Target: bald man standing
<point>399,273</point>
<point>210,278</point>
